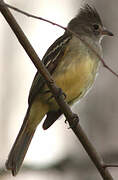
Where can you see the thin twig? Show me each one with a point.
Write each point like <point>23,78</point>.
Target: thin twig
<point>95,157</point>
<point>62,27</point>
<point>33,16</point>
<point>110,165</point>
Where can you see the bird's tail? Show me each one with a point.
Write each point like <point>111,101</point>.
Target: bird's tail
<point>20,147</point>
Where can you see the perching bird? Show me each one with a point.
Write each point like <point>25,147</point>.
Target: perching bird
<point>73,66</point>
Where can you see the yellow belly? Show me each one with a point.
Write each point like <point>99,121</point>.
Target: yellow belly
<point>77,79</point>
<point>74,81</point>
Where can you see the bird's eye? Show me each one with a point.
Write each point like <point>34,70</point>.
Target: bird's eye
<point>95,26</point>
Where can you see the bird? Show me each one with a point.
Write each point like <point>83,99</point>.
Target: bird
<point>73,66</point>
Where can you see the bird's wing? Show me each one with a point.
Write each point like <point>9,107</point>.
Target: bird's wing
<point>50,60</point>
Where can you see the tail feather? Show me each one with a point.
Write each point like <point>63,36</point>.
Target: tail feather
<point>20,148</point>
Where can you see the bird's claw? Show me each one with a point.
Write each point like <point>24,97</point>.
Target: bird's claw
<point>60,92</point>
<point>75,121</point>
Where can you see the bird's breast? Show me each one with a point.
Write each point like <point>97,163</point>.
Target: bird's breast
<point>77,77</point>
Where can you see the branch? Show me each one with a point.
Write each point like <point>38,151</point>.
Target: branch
<point>62,27</point>
<point>63,164</point>
<point>110,165</point>
<point>70,116</point>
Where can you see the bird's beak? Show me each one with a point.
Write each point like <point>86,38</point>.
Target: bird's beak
<point>106,32</point>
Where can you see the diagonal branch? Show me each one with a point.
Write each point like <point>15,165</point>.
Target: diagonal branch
<point>70,116</point>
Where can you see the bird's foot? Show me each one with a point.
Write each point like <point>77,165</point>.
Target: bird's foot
<point>75,121</point>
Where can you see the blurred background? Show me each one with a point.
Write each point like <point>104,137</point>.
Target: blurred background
<point>56,153</point>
